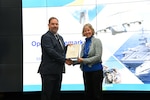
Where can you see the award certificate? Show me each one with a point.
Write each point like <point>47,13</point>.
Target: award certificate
<point>73,51</point>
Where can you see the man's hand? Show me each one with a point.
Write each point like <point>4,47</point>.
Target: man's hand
<point>68,62</point>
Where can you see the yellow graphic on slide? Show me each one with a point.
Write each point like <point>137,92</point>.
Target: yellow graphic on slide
<point>76,2</point>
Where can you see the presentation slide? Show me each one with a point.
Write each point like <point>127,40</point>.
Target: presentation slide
<point>122,26</point>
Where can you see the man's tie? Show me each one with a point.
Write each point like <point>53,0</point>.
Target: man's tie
<point>57,37</point>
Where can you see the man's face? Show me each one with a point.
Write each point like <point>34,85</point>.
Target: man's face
<point>53,26</point>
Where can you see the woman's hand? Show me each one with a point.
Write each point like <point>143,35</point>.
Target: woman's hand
<point>80,60</point>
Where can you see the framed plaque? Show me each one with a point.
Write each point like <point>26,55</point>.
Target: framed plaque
<point>73,51</point>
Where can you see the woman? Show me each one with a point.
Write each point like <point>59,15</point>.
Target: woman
<point>91,64</point>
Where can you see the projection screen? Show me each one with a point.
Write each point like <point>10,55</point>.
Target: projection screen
<point>122,25</point>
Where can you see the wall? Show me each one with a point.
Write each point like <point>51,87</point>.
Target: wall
<point>10,46</point>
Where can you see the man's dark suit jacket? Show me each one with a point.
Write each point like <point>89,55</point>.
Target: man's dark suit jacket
<point>53,56</point>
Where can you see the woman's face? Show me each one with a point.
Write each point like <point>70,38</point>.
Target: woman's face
<point>87,32</point>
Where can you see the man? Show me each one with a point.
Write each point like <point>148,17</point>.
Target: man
<point>52,61</point>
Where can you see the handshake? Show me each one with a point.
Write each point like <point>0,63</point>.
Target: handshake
<point>73,62</point>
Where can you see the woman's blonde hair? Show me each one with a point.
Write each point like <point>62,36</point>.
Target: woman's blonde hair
<point>90,26</point>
